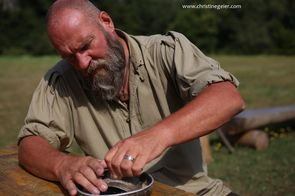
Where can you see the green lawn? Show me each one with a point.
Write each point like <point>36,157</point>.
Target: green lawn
<point>18,79</point>
<point>265,81</point>
<point>250,172</point>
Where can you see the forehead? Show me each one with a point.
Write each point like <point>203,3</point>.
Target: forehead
<point>71,28</point>
<point>65,22</point>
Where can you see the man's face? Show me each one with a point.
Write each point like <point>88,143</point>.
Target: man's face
<point>105,75</point>
<point>95,53</point>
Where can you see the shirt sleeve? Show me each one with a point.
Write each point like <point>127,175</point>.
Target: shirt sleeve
<point>191,70</point>
<point>48,114</point>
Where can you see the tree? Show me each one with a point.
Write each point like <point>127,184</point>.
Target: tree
<point>9,5</point>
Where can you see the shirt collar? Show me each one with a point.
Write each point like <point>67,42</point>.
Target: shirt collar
<point>134,50</point>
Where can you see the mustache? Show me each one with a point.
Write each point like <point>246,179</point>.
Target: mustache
<point>96,64</point>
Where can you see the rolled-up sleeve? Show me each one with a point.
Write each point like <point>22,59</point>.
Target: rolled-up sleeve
<point>191,69</point>
<point>49,114</point>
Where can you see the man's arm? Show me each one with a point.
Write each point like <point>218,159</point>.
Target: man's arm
<point>214,106</point>
<point>41,159</point>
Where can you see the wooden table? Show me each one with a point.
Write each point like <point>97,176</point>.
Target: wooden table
<point>14,180</point>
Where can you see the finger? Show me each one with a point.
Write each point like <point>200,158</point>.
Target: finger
<point>126,168</point>
<point>98,167</point>
<point>102,185</point>
<point>109,156</point>
<point>80,179</point>
<point>71,187</point>
<point>90,175</point>
<point>138,165</point>
<point>126,165</point>
<point>116,163</point>
<point>112,165</point>
<point>104,164</point>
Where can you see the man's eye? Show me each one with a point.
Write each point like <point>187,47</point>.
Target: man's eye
<point>85,47</point>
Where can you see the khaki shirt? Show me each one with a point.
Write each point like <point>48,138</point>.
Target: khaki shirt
<point>166,72</point>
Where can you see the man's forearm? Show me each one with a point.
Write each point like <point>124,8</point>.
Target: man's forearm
<point>39,157</point>
<point>215,105</point>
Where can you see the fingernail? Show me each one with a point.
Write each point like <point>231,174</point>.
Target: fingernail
<point>103,188</point>
<point>95,191</point>
<point>100,171</point>
<point>73,192</point>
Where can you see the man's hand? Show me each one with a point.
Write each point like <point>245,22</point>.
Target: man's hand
<point>41,159</point>
<point>86,171</point>
<point>141,148</point>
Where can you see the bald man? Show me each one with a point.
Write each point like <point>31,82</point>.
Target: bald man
<point>133,104</point>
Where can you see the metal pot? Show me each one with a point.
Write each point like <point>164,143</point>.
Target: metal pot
<point>127,186</point>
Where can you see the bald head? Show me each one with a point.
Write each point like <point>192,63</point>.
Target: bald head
<point>58,8</point>
<point>86,38</point>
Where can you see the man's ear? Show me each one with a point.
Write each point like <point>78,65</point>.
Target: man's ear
<point>106,21</point>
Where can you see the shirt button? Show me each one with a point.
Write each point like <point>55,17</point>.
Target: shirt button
<point>141,79</point>
<point>128,120</point>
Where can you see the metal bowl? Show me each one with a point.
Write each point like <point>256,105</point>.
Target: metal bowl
<point>127,186</point>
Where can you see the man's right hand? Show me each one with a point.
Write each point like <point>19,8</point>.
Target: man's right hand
<point>45,161</point>
<point>86,171</point>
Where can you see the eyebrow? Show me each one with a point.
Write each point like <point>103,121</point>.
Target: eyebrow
<point>85,43</point>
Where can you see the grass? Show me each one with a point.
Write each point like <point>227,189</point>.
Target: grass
<point>266,81</point>
<point>18,78</point>
<point>249,172</point>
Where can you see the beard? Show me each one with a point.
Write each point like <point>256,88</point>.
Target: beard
<point>105,76</point>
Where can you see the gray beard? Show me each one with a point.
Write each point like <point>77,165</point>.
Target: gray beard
<point>107,86</point>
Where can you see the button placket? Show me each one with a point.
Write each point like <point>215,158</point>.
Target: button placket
<point>135,118</point>
<point>138,73</point>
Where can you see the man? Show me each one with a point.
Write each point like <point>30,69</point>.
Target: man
<point>133,104</point>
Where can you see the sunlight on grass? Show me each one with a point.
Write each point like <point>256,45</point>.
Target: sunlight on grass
<point>265,80</point>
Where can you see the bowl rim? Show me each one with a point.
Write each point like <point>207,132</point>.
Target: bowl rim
<point>126,193</point>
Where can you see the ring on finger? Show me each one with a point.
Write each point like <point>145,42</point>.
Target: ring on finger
<point>129,157</point>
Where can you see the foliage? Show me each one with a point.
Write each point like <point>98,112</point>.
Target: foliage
<point>23,29</point>
<point>260,26</point>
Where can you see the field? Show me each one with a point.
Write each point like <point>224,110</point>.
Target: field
<point>266,81</point>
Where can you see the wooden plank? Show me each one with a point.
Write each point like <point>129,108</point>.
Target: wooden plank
<point>14,180</point>
<point>255,118</point>
<point>160,189</point>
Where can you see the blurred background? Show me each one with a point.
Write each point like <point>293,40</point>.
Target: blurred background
<point>255,42</point>
<point>258,27</point>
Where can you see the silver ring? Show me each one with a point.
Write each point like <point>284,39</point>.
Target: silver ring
<point>129,157</point>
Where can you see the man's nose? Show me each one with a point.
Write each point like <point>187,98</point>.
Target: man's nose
<point>83,61</point>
